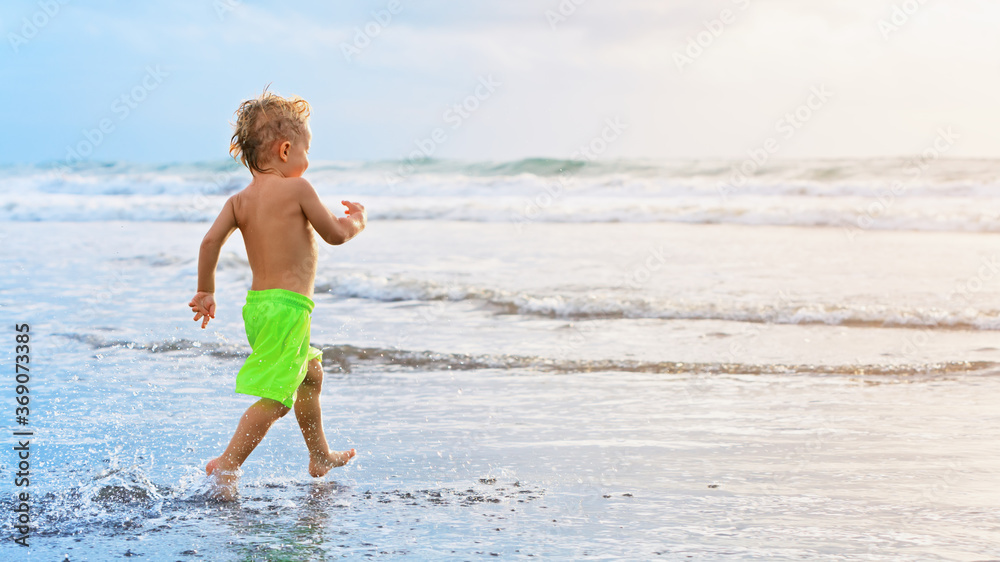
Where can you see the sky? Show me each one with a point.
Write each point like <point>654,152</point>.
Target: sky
<point>158,81</point>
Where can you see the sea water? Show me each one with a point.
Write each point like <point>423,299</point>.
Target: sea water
<point>546,359</point>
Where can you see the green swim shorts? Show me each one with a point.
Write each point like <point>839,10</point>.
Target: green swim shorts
<point>277,323</point>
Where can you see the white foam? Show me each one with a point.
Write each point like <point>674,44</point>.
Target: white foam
<point>873,195</point>
<point>608,305</point>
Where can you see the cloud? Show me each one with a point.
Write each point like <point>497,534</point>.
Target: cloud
<point>603,60</point>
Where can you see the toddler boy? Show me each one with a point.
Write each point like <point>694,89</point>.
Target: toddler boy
<point>278,214</point>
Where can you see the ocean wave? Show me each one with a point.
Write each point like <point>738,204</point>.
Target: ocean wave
<point>826,178</point>
<point>946,195</point>
<point>349,358</point>
<point>942,170</point>
<point>850,214</point>
<point>615,305</point>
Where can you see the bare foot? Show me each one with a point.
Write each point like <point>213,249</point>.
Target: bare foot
<point>224,481</point>
<point>318,466</point>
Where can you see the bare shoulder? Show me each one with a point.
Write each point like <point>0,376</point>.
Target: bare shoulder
<point>299,187</point>
<point>235,201</point>
<point>235,198</point>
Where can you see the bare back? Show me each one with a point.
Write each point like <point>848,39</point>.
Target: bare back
<point>280,241</point>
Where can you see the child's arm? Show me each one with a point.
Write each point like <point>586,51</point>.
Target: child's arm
<point>203,303</point>
<point>332,229</point>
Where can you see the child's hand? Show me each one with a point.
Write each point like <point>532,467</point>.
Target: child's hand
<point>354,209</point>
<point>203,306</point>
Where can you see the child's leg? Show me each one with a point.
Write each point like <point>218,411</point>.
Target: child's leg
<point>253,426</point>
<point>310,416</point>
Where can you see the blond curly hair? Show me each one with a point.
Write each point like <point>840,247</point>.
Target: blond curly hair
<point>262,121</point>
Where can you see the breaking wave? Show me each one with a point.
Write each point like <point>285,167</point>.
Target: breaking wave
<point>621,304</point>
<point>349,358</point>
<point>883,194</point>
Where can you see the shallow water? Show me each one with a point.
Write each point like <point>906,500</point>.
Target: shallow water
<point>464,464</point>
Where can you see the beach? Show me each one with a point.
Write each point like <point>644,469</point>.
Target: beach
<point>542,358</point>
